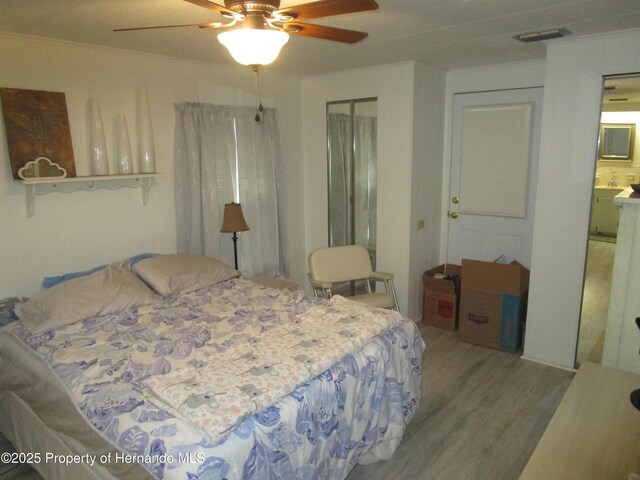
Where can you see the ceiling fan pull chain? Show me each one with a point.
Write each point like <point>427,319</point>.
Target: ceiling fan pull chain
<point>256,69</point>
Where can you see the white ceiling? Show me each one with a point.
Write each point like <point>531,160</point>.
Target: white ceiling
<point>442,33</point>
<point>621,93</point>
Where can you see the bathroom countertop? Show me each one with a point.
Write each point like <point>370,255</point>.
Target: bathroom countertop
<point>627,196</point>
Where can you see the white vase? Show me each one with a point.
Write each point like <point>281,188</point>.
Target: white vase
<point>146,149</point>
<point>98,157</point>
<point>123,146</point>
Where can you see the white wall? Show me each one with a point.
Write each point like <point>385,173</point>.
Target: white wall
<point>571,117</point>
<point>393,86</point>
<point>78,230</point>
<point>426,184</point>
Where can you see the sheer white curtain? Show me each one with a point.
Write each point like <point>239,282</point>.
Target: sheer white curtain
<point>365,135</point>
<point>363,141</point>
<point>339,134</point>
<point>222,155</point>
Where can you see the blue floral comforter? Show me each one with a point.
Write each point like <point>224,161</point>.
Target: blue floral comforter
<point>356,411</point>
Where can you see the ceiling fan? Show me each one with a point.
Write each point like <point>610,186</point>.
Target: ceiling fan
<point>256,30</point>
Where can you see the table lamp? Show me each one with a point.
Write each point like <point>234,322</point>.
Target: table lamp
<point>233,222</point>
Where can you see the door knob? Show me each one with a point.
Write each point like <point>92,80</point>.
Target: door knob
<point>453,215</point>
<point>455,199</point>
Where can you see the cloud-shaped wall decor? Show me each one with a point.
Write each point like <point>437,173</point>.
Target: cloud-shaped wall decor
<point>42,167</point>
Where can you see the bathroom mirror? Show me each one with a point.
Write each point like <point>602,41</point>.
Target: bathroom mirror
<point>616,141</point>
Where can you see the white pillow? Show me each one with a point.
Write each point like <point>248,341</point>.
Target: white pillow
<point>106,291</point>
<point>174,274</point>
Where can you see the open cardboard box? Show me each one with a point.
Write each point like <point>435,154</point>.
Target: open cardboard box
<point>441,301</point>
<point>493,304</point>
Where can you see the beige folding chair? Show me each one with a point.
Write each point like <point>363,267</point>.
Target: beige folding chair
<point>333,265</point>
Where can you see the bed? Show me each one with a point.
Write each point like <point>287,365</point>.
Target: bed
<point>202,374</point>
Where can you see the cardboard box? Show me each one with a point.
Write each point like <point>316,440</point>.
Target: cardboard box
<point>441,303</point>
<point>493,304</point>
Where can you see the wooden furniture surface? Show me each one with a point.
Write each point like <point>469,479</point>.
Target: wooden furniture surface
<point>595,432</point>
<point>274,282</point>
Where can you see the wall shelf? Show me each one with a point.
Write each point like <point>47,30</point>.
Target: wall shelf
<point>42,186</point>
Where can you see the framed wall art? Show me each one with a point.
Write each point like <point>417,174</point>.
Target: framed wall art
<point>37,125</point>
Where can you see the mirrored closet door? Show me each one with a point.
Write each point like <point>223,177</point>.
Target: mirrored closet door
<point>352,135</point>
<point>351,146</point>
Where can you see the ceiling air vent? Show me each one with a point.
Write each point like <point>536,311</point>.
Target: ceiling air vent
<point>543,35</point>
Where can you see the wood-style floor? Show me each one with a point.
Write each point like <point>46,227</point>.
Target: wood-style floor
<point>482,414</point>
<point>595,301</point>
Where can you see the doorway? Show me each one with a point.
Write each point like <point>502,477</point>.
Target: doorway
<point>620,106</point>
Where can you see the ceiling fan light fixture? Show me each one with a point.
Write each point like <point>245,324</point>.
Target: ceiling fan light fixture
<point>252,46</point>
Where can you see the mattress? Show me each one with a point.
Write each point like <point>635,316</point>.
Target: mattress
<point>102,385</point>
<point>38,405</point>
<point>28,433</point>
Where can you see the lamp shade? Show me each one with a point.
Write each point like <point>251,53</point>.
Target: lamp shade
<point>233,219</point>
<point>252,46</point>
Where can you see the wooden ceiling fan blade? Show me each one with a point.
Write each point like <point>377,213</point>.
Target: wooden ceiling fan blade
<point>216,25</point>
<point>326,8</point>
<point>201,25</point>
<point>322,31</point>
<point>213,7</point>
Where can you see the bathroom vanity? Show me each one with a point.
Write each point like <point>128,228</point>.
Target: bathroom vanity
<point>604,213</point>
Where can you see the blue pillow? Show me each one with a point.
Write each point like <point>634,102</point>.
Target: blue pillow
<point>141,256</point>
<point>48,282</point>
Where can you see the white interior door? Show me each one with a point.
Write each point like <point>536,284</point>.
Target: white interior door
<point>496,137</point>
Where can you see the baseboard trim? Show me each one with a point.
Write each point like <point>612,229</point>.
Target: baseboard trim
<point>548,364</point>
